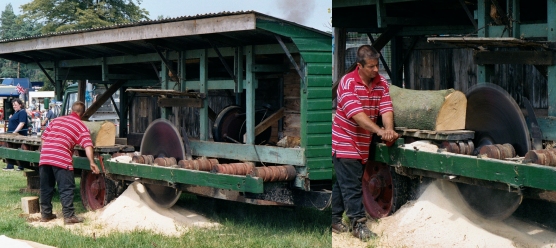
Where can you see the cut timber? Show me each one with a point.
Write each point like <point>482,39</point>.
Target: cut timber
<point>436,110</point>
<point>102,133</point>
<point>30,204</point>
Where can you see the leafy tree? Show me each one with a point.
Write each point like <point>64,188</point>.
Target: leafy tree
<point>63,15</point>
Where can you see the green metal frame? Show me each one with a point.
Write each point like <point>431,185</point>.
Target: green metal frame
<point>167,174</point>
<point>515,174</point>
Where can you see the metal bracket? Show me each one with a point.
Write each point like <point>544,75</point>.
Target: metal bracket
<point>301,75</point>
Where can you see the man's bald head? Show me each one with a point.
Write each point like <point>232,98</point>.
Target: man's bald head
<point>78,107</point>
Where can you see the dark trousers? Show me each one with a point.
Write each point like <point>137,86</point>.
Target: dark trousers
<point>347,192</point>
<point>49,176</point>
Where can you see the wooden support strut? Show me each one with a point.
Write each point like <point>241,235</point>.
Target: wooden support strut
<point>269,121</point>
<point>290,57</point>
<point>102,99</point>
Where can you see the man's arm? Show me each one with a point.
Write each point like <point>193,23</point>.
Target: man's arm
<point>366,123</point>
<point>388,122</point>
<point>90,155</point>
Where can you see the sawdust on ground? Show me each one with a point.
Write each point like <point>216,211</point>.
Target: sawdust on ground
<point>132,211</point>
<point>441,218</point>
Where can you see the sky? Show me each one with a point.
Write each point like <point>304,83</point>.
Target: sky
<point>312,13</point>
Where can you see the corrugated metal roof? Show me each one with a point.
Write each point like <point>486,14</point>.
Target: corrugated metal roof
<point>165,20</point>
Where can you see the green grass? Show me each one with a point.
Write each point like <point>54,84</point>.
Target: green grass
<point>243,225</point>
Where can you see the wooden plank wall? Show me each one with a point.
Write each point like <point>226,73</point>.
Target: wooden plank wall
<point>435,69</point>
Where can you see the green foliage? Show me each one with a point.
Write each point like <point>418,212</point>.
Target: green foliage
<point>79,14</point>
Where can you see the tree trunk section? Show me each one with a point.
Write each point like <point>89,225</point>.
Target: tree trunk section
<point>438,110</point>
<point>102,133</point>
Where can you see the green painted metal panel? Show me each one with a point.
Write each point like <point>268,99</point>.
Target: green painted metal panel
<point>511,173</point>
<point>176,175</point>
<point>307,44</point>
<point>320,163</point>
<point>319,139</point>
<point>319,92</point>
<point>538,30</point>
<point>319,127</point>
<point>319,81</point>
<point>551,37</point>
<point>18,154</point>
<point>319,151</point>
<point>288,30</point>
<point>319,68</point>
<point>319,57</point>
<point>325,174</point>
<point>548,127</point>
<point>320,115</point>
<point>319,104</point>
<point>267,154</point>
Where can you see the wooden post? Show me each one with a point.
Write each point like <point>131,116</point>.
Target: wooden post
<point>30,204</point>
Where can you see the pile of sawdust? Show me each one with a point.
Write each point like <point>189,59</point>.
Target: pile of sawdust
<point>441,218</point>
<point>131,211</point>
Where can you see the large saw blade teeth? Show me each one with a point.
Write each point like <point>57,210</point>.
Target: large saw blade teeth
<point>162,139</point>
<point>496,118</point>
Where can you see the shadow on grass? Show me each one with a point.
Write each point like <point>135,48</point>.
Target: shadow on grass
<point>278,218</point>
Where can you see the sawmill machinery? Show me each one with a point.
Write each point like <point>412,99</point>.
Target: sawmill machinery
<point>205,103</point>
<point>499,54</point>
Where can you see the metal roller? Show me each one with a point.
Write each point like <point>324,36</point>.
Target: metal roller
<point>496,119</point>
<point>162,139</point>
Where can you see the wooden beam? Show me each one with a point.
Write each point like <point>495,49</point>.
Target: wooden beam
<point>514,57</point>
<point>102,99</point>
<point>266,123</point>
<point>180,102</point>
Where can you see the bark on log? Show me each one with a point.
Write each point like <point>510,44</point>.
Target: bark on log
<point>437,110</point>
<point>102,133</point>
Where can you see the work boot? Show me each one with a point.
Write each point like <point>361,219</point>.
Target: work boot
<point>339,227</point>
<point>360,230</point>
<point>47,217</point>
<point>72,220</point>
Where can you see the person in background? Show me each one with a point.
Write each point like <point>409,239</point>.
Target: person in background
<point>37,123</point>
<point>17,124</point>
<point>363,96</point>
<point>56,163</point>
<point>50,115</point>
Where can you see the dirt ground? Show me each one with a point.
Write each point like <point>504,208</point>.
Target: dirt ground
<point>130,211</point>
<point>440,218</point>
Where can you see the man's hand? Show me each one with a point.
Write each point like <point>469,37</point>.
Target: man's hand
<point>94,168</point>
<point>388,135</point>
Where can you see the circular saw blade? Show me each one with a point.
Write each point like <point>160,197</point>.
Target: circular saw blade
<point>496,118</point>
<point>162,139</point>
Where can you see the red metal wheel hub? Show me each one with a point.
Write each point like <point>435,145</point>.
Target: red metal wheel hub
<point>377,189</point>
<point>95,190</point>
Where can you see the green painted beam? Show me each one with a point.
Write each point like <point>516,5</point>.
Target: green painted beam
<point>203,88</point>
<point>511,173</point>
<point>243,152</point>
<point>548,127</point>
<point>534,30</point>
<point>288,30</point>
<point>551,37</point>
<point>177,175</point>
<point>171,175</point>
<point>357,3</point>
<point>153,57</point>
<point>250,94</point>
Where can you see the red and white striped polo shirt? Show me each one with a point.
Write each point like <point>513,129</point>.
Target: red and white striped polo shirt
<point>59,139</point>
<point>349,140</point>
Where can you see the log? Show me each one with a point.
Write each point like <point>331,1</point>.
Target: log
<point>30,204</point>
<point>102,133</point>
<point>437,110</point>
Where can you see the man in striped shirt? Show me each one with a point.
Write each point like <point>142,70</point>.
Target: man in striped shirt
<point>56,162</point>
<point>363,96</point>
